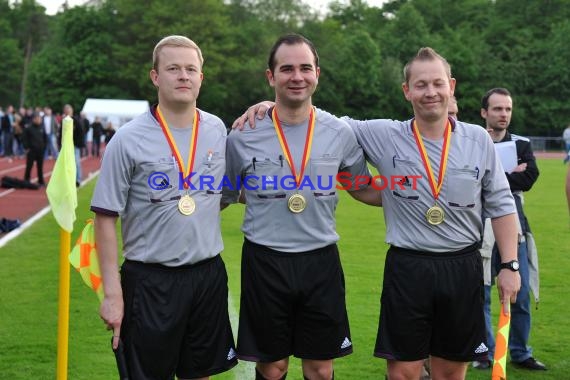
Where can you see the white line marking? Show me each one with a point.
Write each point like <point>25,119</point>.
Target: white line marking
<point>14,233</point>
<point>244,370</point>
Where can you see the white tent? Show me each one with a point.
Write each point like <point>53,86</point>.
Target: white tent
<point>116,111</point>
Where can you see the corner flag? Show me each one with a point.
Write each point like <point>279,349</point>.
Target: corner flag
<point>500,362</point>
<point>61,190</point>
<point>62,196</point>
<point>83,257</point>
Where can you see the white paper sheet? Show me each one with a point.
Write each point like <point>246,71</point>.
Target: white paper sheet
<point>507,152</point>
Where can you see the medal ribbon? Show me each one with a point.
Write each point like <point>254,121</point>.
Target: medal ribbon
<point>174,148</point>
<point>285,146</point>
<point>442,161</point>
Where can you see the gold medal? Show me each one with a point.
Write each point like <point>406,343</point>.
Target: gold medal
<point>297,203</point>
<point>186,205</point>
<point>435,215</point>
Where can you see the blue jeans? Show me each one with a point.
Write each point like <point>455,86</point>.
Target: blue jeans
<point>51,146</point>
<point>78,164</point>
<point>520,315</point>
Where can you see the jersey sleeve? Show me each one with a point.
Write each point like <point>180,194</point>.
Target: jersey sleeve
<point>111,191</point>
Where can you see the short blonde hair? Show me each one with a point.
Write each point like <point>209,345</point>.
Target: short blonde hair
<point>423,55</point>
<point>175,41</point>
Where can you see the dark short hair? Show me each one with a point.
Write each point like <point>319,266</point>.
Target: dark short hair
<point>290,39</point>
<point>497,90</point>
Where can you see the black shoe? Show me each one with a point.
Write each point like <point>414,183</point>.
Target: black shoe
<point>532,364</point>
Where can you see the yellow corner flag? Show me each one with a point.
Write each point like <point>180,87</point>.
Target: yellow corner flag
<point>62,196</point>
<point>61,190</point>
<point>83,257</point>
<point>500,366</point>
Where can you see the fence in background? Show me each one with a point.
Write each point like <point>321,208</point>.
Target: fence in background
<point>543,144</point>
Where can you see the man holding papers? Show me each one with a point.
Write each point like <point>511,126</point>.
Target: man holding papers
<point>520,168</point>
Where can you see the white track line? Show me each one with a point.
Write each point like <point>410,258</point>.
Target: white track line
<point>16,232</point>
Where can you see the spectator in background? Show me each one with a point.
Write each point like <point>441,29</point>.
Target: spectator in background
<point>26,115</point>
<point>78,140</point>
<point>85,125</point>
<point>25,120</point>
<point>97,129</point>
<point>566,138</point>
<point>8,132</point>
<point>34,139</point>
<point>496,109</point>
<point>51,128</point>
<point>109,132</point>
<point>19,128</point>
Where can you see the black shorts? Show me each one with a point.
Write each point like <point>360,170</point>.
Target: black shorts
<point>292,304</point>
<point>432,304</point>
<point>176,320</point>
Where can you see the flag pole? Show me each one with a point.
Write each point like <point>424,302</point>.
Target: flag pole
<point>62,195</point>
<point>502,344</point>
<point>63,309</point>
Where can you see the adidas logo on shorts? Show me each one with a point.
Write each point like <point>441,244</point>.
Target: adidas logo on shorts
<point>482,348</point>
<point>231,354</point>
<point>345,343</point>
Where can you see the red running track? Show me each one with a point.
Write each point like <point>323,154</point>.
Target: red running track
<point>22,204</point>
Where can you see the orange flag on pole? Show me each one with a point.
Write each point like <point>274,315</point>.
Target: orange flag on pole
<point>83,257</point>
<point>500,362</point>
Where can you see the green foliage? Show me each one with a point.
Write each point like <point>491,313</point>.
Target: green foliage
<point>349,74</point>
<point>106,52</point>
<point>76,64</point>
<point>11,62</point>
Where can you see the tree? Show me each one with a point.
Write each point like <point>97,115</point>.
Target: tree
<point>77,63</point>
<point>10,59</point>
<point>29,24</point>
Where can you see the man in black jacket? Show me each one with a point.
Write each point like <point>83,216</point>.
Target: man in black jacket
<point>34,139</point>
<point>78,139</point>
<point>496,109</point>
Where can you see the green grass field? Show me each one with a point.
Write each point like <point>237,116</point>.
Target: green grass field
<point>29,291</point>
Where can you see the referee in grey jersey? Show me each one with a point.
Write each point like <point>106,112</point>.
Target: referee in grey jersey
<point>432,296</point>
<point>293,295</point>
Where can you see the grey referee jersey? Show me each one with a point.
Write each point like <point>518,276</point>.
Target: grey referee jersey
<point>256,155</point>
<point>475,184</point>
<point>137,164</point>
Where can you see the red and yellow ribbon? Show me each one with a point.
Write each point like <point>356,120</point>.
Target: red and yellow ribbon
<point>435,189</point>
<point>500,362</point>
<point>285,146</point>
<point>175,152</point>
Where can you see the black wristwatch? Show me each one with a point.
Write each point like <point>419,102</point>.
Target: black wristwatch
<point>512,265</point>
